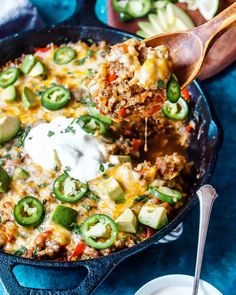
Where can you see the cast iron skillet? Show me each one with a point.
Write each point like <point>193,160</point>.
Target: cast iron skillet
<point>204,147</point>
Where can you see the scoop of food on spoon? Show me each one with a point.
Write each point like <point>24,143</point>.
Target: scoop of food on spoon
<point>138,76</point>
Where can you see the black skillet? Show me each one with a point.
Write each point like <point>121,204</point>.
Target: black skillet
<point>204,147</point>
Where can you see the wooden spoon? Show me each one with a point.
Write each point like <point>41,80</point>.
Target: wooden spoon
<point>189,48</point>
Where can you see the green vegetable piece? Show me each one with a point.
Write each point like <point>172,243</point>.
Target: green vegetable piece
<point>119,159</point>
<point>28,98</point>
<point>166,194</point>
<point>90,124</point>
<point>37,70</point>
<point>176,111</point>
<point>20,251</point>
<point>5,180</point>
<point>20,173</point>
<point>64,55</point>
<point>120,5</point>
<point>29,212</point>
<point>9,77</point>
<point>95,113</point>
<point>69,190</point>
<point>125,17</point>
<point>55,98</point>
<point>9,94</point>
<point>127,222</point>
<point>64,216</point>
<point>99,231</point>
<point>112,189</point>
<point>138,8</point>
<point>28,63</point>
<point>9,127</point>
<point>173,90</point>
<point>153,215</point>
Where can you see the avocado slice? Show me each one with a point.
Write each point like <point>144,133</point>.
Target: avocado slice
<point>153,215</point>
<point>127,222</point>
<point>37,70</point>
<point>20,173</point>
<point>64,216</point>
<point>112,189</point>
<point>28,63</point>
<point>9,126</point>
<point>5,180</point>
<point>9,94</point>
<point>28,98</point>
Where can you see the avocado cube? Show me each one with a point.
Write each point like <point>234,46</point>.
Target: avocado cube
<point>127,222</point>
<point>9,127</point>
<point>153,215</point>
<point>5,180</point>
<point>20,173</point>
<point>112,189</point>
<point>64,216</point>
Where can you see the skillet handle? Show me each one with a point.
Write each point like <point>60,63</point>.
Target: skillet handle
<point>98,270</point>
<point>85,15</point>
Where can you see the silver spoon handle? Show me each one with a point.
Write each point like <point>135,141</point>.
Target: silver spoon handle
<point>207,196</point>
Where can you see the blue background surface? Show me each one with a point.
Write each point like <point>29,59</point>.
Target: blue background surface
<point>219,266</point>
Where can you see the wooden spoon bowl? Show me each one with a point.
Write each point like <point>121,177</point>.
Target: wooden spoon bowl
<point>189,48</point>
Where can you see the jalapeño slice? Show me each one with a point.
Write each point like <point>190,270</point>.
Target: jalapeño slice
<point>176,111</point>
<point>99,231</point>
<point>64,55</point>
<point>9,77</point>
<point>91,124</point>
<point>68,189</point>
<point>166,194</point>
<point>55,98</point>
<point>29,211</point>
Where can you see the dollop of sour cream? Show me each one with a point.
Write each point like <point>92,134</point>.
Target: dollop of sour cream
<point>63,142</point>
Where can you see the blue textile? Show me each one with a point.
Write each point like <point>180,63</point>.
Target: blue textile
<point>179,257</point>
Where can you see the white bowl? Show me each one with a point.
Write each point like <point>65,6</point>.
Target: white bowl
<point>176,285</point>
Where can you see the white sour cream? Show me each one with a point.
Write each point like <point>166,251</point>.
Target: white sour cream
<point>63,141</point>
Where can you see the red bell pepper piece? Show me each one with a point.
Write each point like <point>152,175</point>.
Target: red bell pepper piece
<point>78,250</point>
<point>122,112</point>
<point>136,144</point>
<point>150,232</point>
<point>42,49</point>
<point>111,77</point>
<point>185,94</point>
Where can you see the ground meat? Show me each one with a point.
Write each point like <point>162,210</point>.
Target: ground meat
<point>132,80</point>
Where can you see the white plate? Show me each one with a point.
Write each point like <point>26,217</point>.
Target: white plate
<point>177,285</point>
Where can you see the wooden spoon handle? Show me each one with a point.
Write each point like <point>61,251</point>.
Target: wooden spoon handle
<point>209,32</point>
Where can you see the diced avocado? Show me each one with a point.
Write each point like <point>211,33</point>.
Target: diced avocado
<point>64,216</point>
<point>20,173</point>
<point>5,180</point>
<point>28,63</point>
<point>37,70</point>
<point>9,126</point>
<point>127,222</point>
<point>28,98</point>
<point>9,94</point>
<point>112,189</point>
<point>119,159</point>
<point>153,215</point>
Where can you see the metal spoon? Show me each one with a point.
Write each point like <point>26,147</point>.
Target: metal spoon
<point>189,48</point>
<point>206,195</point>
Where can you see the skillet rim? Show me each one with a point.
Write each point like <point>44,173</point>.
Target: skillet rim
<point>122,254</point>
